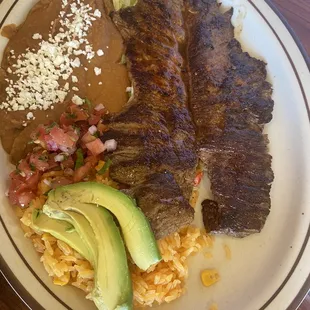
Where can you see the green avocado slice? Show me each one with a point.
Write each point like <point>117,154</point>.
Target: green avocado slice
<point>135,228</point>
<point>121,4</point>
<point>60,230</point>
<point>113,288</point>
<point>82,228</point>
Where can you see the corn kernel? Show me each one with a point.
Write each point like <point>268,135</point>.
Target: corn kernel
<point>100,165</point>
<point>209,277</point>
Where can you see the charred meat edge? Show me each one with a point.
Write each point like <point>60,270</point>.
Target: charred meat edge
<point>156,155</point>
<point>231,102</point>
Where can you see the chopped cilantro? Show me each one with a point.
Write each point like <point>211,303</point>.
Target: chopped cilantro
<point>71,115</point>
<point>52,125</point>
<point>43,158</point>
<point>32,167</point>
<point>87,101</point>
<point>79,159</point>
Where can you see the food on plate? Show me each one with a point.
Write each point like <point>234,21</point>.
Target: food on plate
<point>55,214</point>
<point>231,102</point>
<point>107,192</point>
<point>39,40</point>
<point>104,247</point>
<point>65,232</point>
<point>154,131</point>
<point>209,277</point>
<point>136,231</point>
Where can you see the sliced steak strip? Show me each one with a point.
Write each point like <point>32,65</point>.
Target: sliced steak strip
<point>162,202</point>
<point>154,131</point>
<point>230,101</point>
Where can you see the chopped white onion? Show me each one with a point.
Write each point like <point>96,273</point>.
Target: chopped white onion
<point>67,150</point>
<point>99,107</point>
<point>110,145</point>
<point>59,158</point>
<point>47,182</point>
<point>92,129</point>
<point>69,171</point>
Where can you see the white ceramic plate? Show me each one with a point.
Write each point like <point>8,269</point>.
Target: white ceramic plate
<point>268,270</point>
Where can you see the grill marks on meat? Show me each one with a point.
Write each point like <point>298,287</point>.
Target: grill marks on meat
<point>156,155</point>
<point>231,102</point>
<point>162,202</point>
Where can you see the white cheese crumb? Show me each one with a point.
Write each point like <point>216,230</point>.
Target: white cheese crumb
<point>77,100</point>
<point>100,83</point>
<point>97,13</point>
<point>74,79</point>
<point>75,88</point>
<point>86,69</point>
<point>100,52</point>
<point>30,116</point>
<point>76,63</point>
<point>58,60</point>
<point>38,74</point>
<point>97,71</point>
<point>37,36</point>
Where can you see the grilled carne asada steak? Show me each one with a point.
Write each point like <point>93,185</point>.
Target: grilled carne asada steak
<point>162,202</point>
<point>230,101</point>
<point>154,132</point>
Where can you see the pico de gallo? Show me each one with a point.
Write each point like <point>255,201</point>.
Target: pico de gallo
<point>72,147</point>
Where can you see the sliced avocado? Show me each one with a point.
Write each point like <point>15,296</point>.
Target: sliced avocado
<point>136,229</point>
<point>121,4</point>
<point>82,228</point>
<point>60,230</point>
<point>113,289</point>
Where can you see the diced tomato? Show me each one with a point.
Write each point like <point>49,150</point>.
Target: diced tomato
<point>94,119</point>
<point>51,161</point>
<point>93,160</point>
<point>66,120</point>
<point>72,115</point>
<point>73,135</point>
<point>51,145</point>
<point>198,178</point>
<point>25,198</point>
<point>38,133</point>
<point>39,161</point>
<point>96,147</point>
<point>32,182</point>
<point>82,172</point>
<point>21,188</point>
<point>62,138</point>
<point>77,113</point>
<point>88,138</point>
<point>25,169</point>
<point>67,163</point>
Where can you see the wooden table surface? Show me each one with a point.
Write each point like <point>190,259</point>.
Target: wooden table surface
<point>297,12</point>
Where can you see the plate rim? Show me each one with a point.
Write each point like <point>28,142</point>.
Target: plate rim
<point>30,301</point>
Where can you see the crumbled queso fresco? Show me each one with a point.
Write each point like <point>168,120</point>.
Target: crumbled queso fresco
<point>38,74</point>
